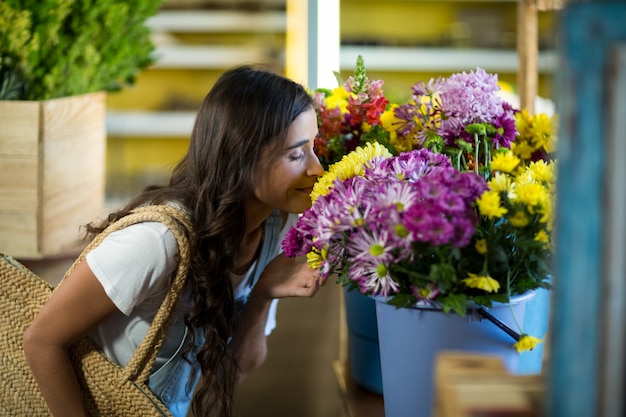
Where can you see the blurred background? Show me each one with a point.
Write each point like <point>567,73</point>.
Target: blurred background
<point>402,42</point>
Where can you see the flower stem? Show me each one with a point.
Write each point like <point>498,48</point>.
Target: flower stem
<point>476,145</point>
<point>508,291</point>
<point>487,154</point>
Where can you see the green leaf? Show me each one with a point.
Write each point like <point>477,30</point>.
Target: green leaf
<point>402,301</point>
<point>456,303</point>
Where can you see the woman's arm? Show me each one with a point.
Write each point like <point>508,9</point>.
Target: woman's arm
<point>75,307</point>
<point>282,277</point>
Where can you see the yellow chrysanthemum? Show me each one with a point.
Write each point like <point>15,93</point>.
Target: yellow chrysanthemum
<point>315,259</point>
<point>390,124</point>
<point>541,130</point>
<point>523,122</point>
<point>551,141</point>
<point>481,246</point>
<point>519,219</point>
<point>522,150</point>
<point>535,132</point>
<point>349,166</point>
<point>524,177</point>
<point>544,208</point>
<point>532,195</point>
<point>339,98</point>
<point>542,171</point>
<point>502,183</point>
<point>527,342</point>
<point>504,162</point>
<point>481,282</point>
<point>542,236</point>
<point>489,205</point>
<point>323,185</point>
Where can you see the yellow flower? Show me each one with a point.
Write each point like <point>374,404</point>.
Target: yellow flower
<point>339,98</point>
<point>323,185</point>
<point>489,204</point>
<point>389,122</point>
<point>523,121</point>
<point>481,282</point>
<point>541,131</point>
<point>481,246</point>
<point>532,195</point>
<point>535,133</point>
<point>349,166</point>
<point>522,150</point>
<point>541,236</point>
<point>519,219</point>
<point>541,171</point>
<point>502,183</point>
<point>505,162</point>
<point>527,342</point>
<point>315,259</point>
<point>546,211</point>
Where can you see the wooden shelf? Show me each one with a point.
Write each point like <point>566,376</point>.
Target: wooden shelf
<point>218,21</point>
<point>384,58</point>
<point>150,124</point>
<point>379,58</point>
<point>207,57</point>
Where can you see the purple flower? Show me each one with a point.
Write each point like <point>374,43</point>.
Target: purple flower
<point>366,224</point>
<point>506,130</point>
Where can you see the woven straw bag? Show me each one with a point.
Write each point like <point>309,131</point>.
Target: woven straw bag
<point>108,389</point>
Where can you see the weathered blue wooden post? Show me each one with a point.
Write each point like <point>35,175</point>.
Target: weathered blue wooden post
<point>586,370</point>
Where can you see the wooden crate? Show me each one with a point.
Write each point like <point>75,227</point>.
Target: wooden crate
<point>52,166</point>
<point>477,385</point>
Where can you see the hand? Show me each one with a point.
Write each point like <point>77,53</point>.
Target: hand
<point>288,277</point>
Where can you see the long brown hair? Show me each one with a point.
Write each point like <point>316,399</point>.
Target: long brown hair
<point>246,113</point>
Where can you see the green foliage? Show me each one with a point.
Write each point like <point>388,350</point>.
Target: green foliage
<point>56,48</point>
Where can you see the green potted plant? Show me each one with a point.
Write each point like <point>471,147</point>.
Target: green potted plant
<point>58,60</point>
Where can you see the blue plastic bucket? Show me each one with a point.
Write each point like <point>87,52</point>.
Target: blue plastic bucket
<point>411,338</point>
<point>363,346</point>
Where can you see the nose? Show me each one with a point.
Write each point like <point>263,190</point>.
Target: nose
<point>315,168</point>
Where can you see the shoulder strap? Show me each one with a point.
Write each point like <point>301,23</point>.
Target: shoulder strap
<point>140,364</point>
<point>270,240</point>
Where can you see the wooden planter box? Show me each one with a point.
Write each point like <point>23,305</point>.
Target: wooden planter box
<point>52,166</point>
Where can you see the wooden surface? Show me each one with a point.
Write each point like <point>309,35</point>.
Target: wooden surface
<point>52,156</point>
<point>471,385</point>
<point>356,401</point>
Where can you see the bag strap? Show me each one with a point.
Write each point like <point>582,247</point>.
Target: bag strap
<point>142,360</point>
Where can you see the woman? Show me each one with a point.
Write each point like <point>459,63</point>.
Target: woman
<point>249,169</point>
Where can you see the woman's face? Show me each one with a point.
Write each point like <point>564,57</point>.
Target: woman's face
<point>288,182</point>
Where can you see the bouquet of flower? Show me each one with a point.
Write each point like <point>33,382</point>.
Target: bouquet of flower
<point>461,216</point>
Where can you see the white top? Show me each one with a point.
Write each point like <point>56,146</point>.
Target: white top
<point>134,265</point>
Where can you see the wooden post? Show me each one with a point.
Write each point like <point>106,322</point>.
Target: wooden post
<point>586,368</point>
<point>528,49</point>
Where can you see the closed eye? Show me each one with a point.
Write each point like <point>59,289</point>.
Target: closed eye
<point>296,157</point>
